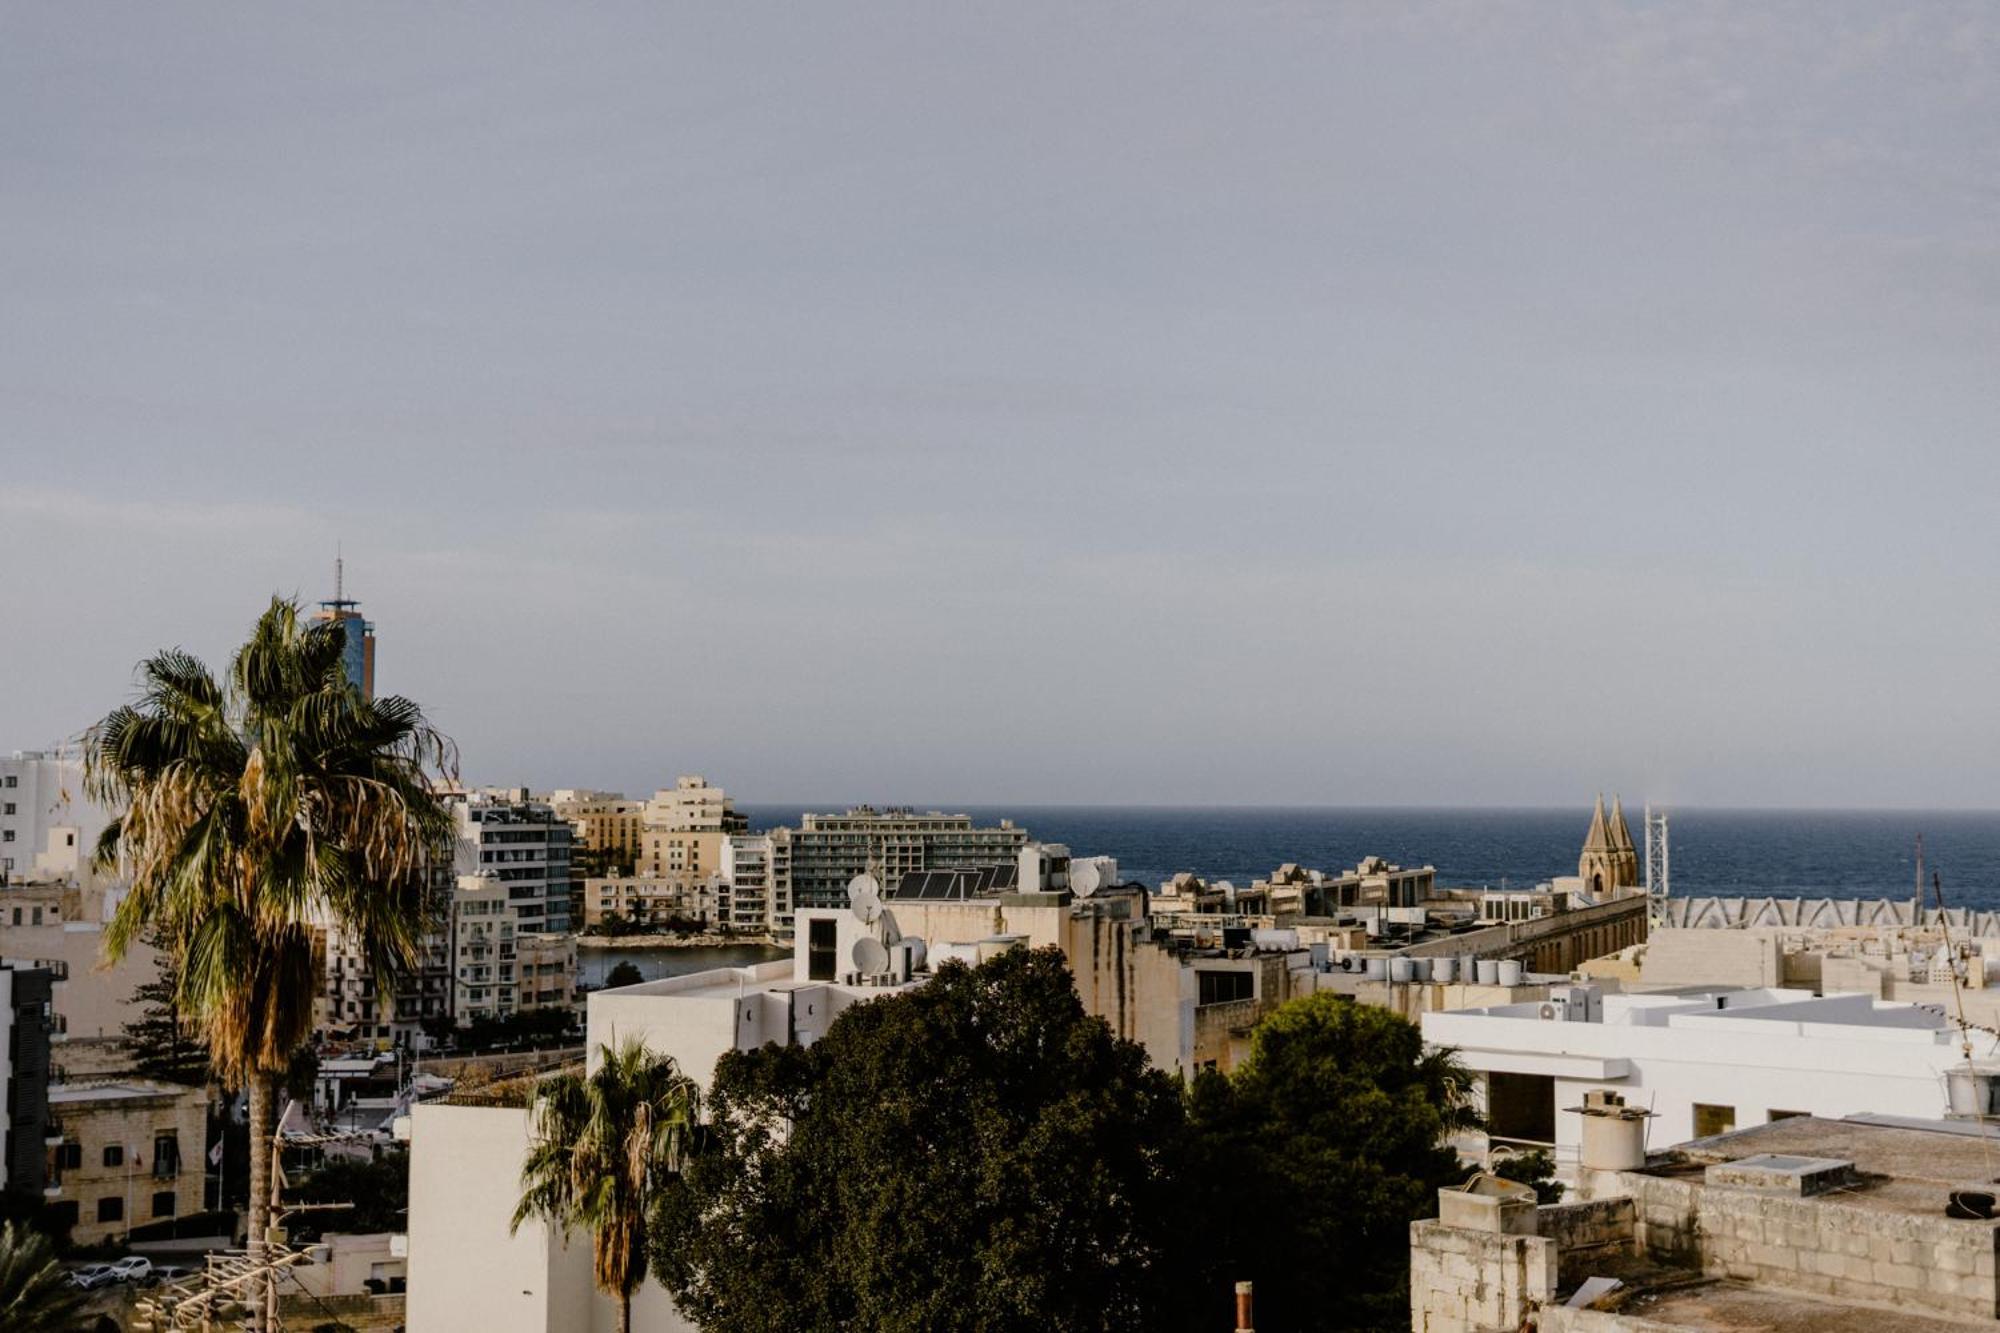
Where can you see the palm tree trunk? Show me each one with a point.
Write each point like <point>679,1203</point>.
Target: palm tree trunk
<point>624,1312</point>
<point>260,1188</point>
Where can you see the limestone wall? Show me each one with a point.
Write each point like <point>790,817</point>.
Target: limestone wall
<point>1465,1281</point>
<point>1588,1235</point>
<point>1821,1246</point>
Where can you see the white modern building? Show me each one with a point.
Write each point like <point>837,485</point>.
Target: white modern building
<point>1702,1063</point>
<point>47,828</point>
<point>467,1271</point>
<point>755,892</point>
<point>525,845</point>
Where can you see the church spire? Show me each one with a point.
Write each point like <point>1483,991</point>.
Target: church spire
<point>1598,839</point>
<point>1609,859</point>
<point>1621,832</point>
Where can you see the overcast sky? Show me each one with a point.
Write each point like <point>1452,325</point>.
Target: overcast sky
<point>1232,403</point>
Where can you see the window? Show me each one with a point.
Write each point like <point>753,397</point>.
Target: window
<point>821,945</point>
<point>69,1156</point>
<point>111,1208</point>
<point>61,1215</point>
<point>1223,987</point>
<point>1712,1120</point>
<point>1521,1107</point>
<point>114,1154</point>
<point>164,1204</point>
<point>9,809</point>
<point>12,781</point>
<point>7,835</point>
<point>166,1155</point>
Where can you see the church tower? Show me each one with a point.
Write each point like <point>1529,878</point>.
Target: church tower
<point>1609,859</point>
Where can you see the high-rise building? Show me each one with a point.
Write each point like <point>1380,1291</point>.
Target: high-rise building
<point>47,829</point>
<point>819,857</point>
<point>26,1022</point>
<point>525,845</point>
<point>685,828</point>
<point>359,654</point>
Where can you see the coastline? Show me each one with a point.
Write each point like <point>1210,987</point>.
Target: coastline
<point>705,940</point>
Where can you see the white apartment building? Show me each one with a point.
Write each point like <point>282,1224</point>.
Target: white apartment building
<point>1702,1062</point>
<point>524,845</point>
<point>824,852</point>
<point>755,891</point>
<point>467,1269</point>
<point>47,829</point>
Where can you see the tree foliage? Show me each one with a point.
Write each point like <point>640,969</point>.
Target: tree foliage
<point>605,1145</point>
<point>1307,1165</point>
<point>974,1154</point>
<point>624,973</point>
<point>35,1294</point>
<point>251,811</point>
<point>379,1189</point>
<point>159,1038</point>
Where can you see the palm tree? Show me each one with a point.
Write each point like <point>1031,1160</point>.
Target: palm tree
<point>603,1145</point>
<point>253,811</point>
<point>36,1296</point>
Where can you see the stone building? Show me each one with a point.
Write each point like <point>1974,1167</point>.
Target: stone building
<point>128,1152</point>
<point>1799,1226</point>
<point>1609,860</point>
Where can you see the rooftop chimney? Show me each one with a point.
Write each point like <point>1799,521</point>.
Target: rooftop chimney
<point>1243,1322</point>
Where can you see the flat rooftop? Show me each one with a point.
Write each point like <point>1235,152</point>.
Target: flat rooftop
<point>76,1094</point>
<point>1903,1168</point>
<point>1724,1307</point>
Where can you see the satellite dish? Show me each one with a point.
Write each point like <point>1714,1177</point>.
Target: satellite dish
<point>1085,878</point>
<point>886,928</point>
<point>870,957</point>
<point>917,951</point>
<point>864,898</point>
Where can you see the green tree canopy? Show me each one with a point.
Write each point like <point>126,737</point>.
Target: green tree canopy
<point>1306,1167</point>
<point>624,973</point>
<point>159,1038</point>
<point>974,1154</point>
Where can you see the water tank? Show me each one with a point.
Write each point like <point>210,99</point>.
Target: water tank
<point>1402,969</point>
<point>1508,972</point>
<point>1614,1135</point>
<point>1468,968</point>
<point>1420,969</point>
<point>1444,969</point>
<point>1972,1090</point>
<point>1488,972</point>
<point>1378,969</point>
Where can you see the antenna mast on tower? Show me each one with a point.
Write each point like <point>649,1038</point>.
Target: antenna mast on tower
<point>1659,882</point>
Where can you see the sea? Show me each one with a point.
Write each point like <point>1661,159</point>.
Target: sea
<point>1754,853</point>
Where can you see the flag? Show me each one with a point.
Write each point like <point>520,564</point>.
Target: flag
<point>215,1154</point>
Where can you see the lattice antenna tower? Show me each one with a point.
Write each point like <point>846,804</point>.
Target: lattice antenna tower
<point>1659,880</point>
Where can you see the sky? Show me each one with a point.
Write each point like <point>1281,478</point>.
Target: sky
<point>1109,403</point>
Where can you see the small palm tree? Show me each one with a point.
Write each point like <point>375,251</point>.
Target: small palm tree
<point>253,812</point>
<point>36,1296</point>
<point>603,1145</point>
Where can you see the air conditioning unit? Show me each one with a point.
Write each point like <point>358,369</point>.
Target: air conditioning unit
<point>1549,1013</point>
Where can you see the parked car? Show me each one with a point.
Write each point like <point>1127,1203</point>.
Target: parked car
<point>133,1268</point>
<point>92,1276</point>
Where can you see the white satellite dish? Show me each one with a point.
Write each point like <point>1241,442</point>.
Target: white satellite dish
<point>864,898</point>
<point>871,958</point>
<point>917,950</point>
<point>1085,878</point>
<point>886,928</point>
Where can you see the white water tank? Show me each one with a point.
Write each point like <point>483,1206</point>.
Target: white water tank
<point>1378,969</point>
<point>1489,972</point>
<point>1402,969</point>
<point>1444,969</point>
<point>1508,972</point>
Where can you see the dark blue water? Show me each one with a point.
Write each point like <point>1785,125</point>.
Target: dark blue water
<point>1784,853</point>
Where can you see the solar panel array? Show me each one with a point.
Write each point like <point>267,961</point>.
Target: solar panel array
<point>951,885</point>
